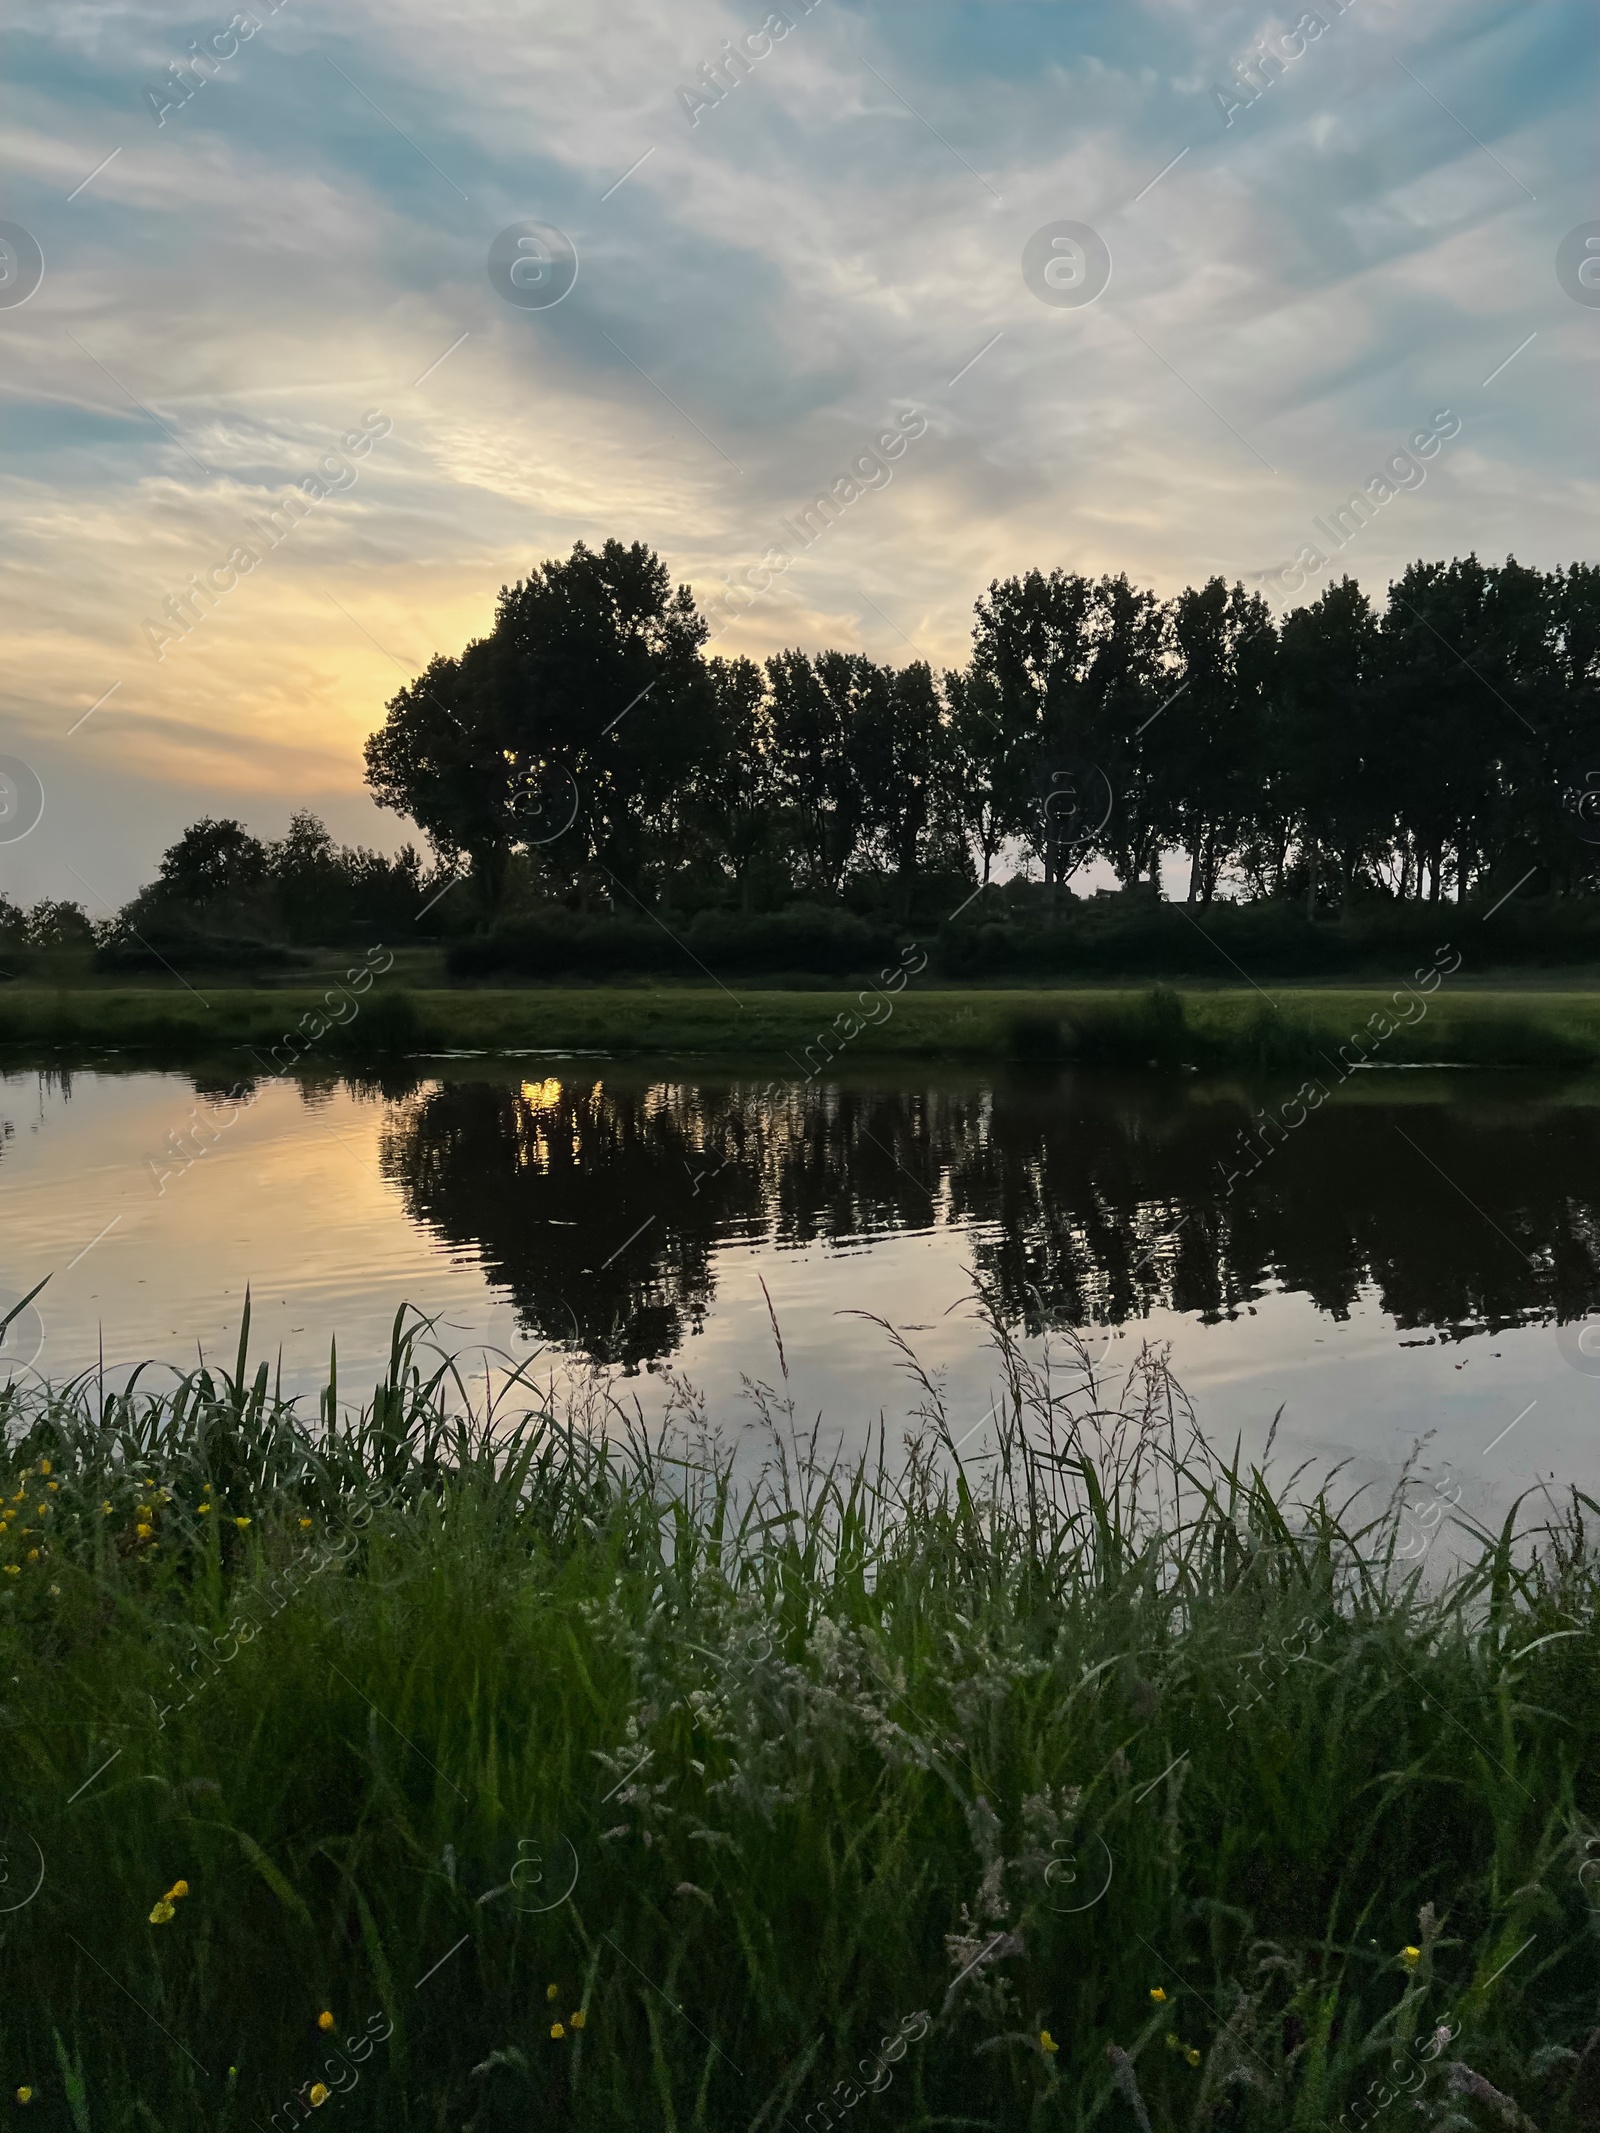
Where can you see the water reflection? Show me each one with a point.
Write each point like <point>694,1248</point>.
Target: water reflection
<point>1467,1204</point>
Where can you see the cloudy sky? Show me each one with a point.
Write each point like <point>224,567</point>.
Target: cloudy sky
<point>769,275</point>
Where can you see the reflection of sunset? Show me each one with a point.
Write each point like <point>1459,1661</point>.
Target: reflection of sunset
<point>542,1094</point>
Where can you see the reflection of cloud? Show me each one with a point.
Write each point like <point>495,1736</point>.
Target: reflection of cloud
<point>285,253</point>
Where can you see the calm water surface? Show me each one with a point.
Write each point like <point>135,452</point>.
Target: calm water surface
<point>1399,1264</point>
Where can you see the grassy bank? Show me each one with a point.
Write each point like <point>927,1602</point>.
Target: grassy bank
<point>802,1030</point>
<point>557,1783</point>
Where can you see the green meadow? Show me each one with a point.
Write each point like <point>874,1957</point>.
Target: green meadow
<point>414,1766</point>
<point>803,1030</point>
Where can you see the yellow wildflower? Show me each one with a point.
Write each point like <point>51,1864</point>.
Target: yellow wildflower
<point>13,1570</point>
<point>44,1466</point>
<point>319,2094</point>
<point>1411,1957</point>
<point>24,2094</point>
<point>162,1913</point>
<point>578,2019</point>
<point>241,1523</point>
<point>1173,2044</point>
<point>1047,2043</point>
<point>557,2030</point>
<point>203,1509</point>
<point>305,1525</point>
<point>178,1890</point>
<point>55,1484</point>
<point>33,1555</point>
<point>106,1508</point>
<point>145,1510</point>
<point>1157,1994</point>
<point>550,1991</point>
<point>1192,2056</point>
<point>325,2019</point>
<point>143,1531</point>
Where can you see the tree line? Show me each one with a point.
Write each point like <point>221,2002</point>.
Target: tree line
<point>590,753</point>
<point>1422,746</point>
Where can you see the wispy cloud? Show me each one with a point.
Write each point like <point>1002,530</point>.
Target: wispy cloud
<point>1350,250</point>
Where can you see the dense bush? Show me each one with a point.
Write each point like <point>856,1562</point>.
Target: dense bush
<point>803,938</point>
<point>193,951</point>
<point>1117,936</point>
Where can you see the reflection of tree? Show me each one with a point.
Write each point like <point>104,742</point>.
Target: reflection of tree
<point>1082,1180</point>
<point>1085,1198</point>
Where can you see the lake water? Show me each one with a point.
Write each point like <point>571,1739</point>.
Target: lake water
<point>1402,1263</point>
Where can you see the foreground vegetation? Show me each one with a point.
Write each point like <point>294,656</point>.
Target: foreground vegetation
<point>241,1031</point>
<point>440,1770</point>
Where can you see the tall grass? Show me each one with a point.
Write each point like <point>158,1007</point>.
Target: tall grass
<point>1101,1779</point>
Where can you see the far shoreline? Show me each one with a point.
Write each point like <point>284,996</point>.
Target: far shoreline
<point>802,1032</point>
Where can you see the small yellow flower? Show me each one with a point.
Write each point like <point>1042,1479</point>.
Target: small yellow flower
<point>319,2094</point>
<point>1411,1957</point>
<point>1047,2043</point>
<point>204,1510</point>
<point>41,1508</point>
<point>106,1508</point>
<point>55,1484</point>
<point>577,2020</point>
<point>557,2030</point>
<point>178,1890</point>
<point>44,1466</point>
<point>161,1914</point>
<point>1192,2056</point>
<point>145,1510</point>
<point>305,1525</point>
<point>55,1592</point>
<point>1173,2044</point>
<point>550,1991</point>
<point>24,2094</point>
<point>325,2019</point>
<point>241,1523</point>
<point>143,1531</point>
<point>205,1488</point>
<point>13,1570</point>
<point>33,1555</point>
<point>1157,1994</point>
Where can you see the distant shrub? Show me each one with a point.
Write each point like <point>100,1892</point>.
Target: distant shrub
<point>806,937</point>
<point>194,952</point>
<point>1110,937</point>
